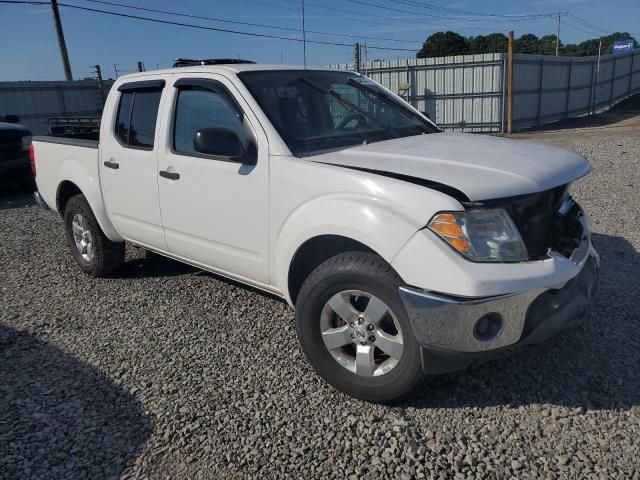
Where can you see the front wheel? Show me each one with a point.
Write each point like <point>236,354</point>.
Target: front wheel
<point>93,251</point>
<point>354,329</point>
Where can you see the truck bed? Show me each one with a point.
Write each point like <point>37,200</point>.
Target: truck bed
<point>71,159</point>
<point>77,142</point>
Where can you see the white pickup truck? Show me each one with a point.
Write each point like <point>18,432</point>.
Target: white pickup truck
<point>406,251</point>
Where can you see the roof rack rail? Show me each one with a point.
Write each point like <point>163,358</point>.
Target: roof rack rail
<point>189,62</point>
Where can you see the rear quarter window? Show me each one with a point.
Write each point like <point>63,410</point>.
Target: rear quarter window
<point>137,116</point>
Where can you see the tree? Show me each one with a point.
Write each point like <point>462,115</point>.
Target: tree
<point>495,42</point>
<point>527,43</point>
<point>547,45</point>
<point>450,43</point>
<point>442,44</point>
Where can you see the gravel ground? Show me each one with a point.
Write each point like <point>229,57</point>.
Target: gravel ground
<point>169,372</point>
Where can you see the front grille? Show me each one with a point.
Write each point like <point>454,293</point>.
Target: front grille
<point>10,148</point>
<point>541,225</point>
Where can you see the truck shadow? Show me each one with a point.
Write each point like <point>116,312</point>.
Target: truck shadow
<point>147,264</point>
<point>60,418</point>
<point>592,366</point>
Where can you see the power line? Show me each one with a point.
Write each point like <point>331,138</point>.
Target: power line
<point>223,20</point>
<point>590,33</point>
<point>323,7</point>
<point>587,24</point>
<point>199,27</point>
<point>472,13</point>
<point>580,26</point>
<point>584,23</point>
<point>515,17</point>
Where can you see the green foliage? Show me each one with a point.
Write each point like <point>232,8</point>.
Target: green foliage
<point>495,42</point>
<point>442,44</point>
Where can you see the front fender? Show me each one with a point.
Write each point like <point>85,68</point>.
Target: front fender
<point>88,182</point>
<point>368,220</point>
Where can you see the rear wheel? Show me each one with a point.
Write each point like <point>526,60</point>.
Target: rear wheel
<point>354,329</point>
<point>93,251</point>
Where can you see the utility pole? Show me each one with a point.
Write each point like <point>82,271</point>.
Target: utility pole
<point>61,43</point>
<point>558,36</point>
<point>356,56</point>
<point>510,84</point>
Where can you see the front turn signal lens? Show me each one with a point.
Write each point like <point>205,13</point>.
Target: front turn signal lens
<point>447,227</point>
<point>481,235</point>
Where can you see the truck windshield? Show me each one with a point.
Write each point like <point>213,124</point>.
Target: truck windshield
<point>319,110</point>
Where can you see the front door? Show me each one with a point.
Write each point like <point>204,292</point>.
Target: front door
<point>128,163</point>
<point>214,209</point>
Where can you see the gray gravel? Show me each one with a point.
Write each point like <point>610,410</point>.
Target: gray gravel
<point>169,372</point>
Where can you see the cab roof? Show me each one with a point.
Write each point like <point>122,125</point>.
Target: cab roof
<point>235,68</point>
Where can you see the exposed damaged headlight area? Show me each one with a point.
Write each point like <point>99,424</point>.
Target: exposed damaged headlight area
<point>548,221</point>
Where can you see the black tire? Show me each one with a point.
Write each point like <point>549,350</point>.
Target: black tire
<point>369,273</point>
<point>108,257</point>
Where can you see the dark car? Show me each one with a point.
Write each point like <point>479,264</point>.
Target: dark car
<point>15,144</point>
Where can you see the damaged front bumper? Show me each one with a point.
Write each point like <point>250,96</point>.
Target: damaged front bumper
<point>456,332</point>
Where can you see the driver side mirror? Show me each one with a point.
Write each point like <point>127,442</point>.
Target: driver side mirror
<point>224,142</point>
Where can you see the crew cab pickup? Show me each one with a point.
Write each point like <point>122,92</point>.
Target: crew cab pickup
<point>406,251</point>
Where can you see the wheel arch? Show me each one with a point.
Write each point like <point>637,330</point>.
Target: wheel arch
<point>331,225</point>
<point>66,190</point>
<point>314,252</point>
<point>74,179</point>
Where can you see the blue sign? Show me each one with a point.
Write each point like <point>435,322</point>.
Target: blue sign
<point>622,46</point>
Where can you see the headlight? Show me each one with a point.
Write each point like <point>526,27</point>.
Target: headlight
<point>26,142</point>
<point>481,235</point>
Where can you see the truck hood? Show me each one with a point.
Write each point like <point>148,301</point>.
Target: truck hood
<point>480,166</point>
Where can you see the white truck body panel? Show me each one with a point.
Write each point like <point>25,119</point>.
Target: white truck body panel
<point>224,226</point>
<point>247,221</point>
<point>481,166</point>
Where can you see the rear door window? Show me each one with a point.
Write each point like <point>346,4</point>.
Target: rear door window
<point>136,119</point>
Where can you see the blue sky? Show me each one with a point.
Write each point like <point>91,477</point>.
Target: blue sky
<point>30,50</point>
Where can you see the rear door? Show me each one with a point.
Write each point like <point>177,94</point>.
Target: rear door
<point>128,162</point>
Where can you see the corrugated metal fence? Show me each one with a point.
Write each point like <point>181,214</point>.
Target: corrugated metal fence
<point>462,92</point>
<point>36,102</point>
<point>547,89</point>
<point>467,92</point>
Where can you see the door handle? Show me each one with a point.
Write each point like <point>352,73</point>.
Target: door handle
<point>112,165</point>
<point>170,175</point>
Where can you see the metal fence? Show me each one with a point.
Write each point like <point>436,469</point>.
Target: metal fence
<point>547,89</point>
<point>36,102</point>
<point>468,93</point>
<point>464,93</point>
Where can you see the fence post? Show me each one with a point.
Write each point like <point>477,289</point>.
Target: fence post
<point>63,103</point>
<point>566,105</point>
<point>613,82</point>
<point>504,91</point>
<point>633,56</point>
<point>591,89</point>
<point>540,81</point>
<point>510,85</point>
